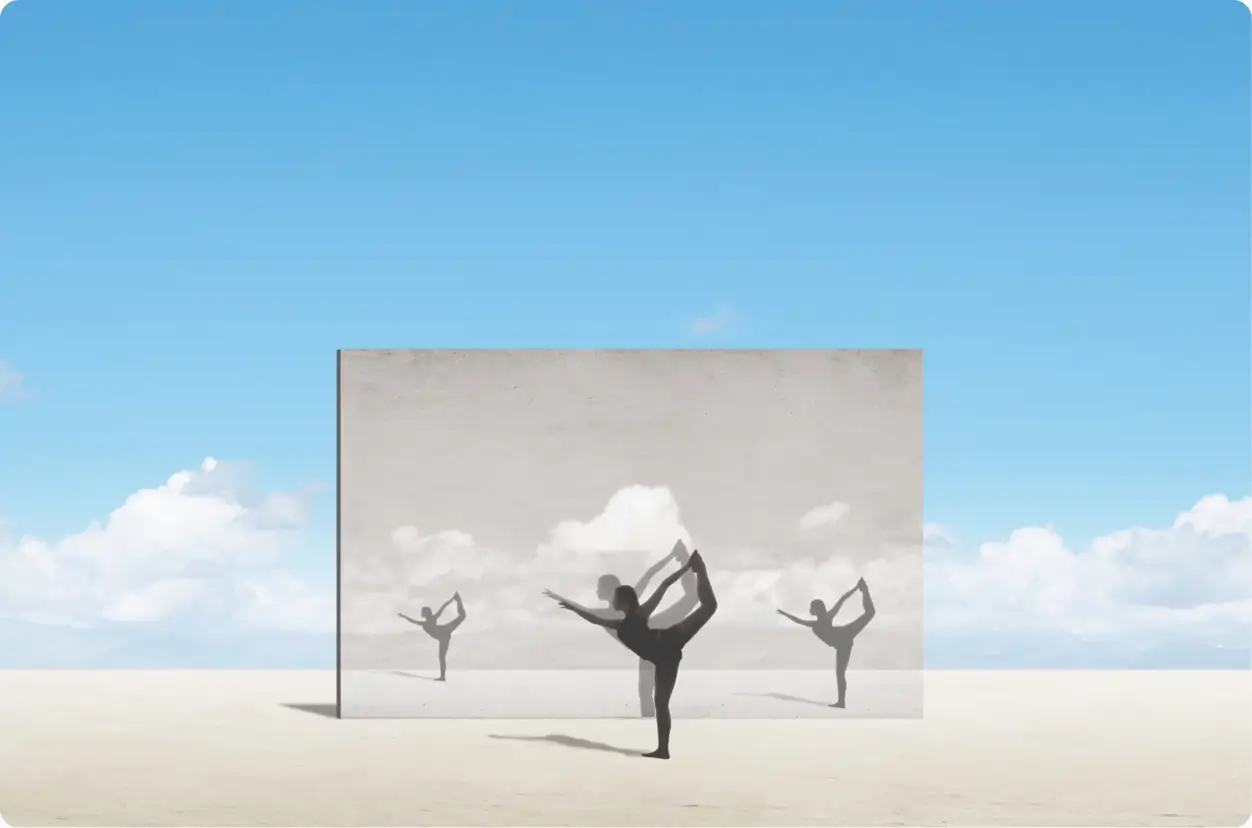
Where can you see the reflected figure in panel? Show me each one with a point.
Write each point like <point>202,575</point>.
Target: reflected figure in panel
<point>442,633</point>
<point>841,637</point>
<point>662,647</point>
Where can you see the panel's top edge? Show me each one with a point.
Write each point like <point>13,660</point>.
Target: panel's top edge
<point>677,350</point>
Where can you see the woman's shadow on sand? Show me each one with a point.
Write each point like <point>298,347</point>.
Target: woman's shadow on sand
<point>569,742</point>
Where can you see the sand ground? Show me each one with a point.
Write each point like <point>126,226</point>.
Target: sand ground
<point>596,694</point>
<point>1023,748</point>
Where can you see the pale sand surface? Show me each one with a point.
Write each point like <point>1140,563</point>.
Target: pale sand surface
<point>1024,748</point>
<point>596,694</point>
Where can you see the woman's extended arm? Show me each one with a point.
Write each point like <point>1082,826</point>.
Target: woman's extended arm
<point>612,622</point>
<point>586,615</point>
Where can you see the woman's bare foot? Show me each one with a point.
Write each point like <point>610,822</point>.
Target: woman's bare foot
<point>658,754</point>
<point>838,704</point>
<point>696,562</point>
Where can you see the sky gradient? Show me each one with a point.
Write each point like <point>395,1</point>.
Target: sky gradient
<point>200,203</point>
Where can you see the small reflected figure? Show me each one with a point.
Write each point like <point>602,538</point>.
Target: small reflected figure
<point>440,632</point>
<point>840,637</point>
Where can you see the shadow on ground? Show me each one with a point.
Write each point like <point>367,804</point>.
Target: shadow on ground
<point>569,742</point>
<point>786,698</point>
<point>413,675</point>
<point>330,711</point>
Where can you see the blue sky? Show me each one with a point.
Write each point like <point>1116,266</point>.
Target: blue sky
<point>200,202</point>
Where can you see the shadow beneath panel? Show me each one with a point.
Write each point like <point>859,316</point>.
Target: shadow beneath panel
<point>330,711</point>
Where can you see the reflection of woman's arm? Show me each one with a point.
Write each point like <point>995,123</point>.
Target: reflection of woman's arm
<point>676,554</point>
<point>843,599</point>
<point>561,599</point>
<point>799,621</point>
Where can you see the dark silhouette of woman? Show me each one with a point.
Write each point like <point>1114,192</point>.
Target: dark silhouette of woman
<point>662,647</point>
<point>608,584</point>
<point>841,637</point>
<point>440,632</point>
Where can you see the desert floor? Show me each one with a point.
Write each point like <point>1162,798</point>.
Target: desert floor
<point>1013,748</point>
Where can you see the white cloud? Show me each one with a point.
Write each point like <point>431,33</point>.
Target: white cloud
<point>207,544</point>
<point>12,384</point>
<point>1192,580</point>
<point>937,535</point>
<point>636,518</point>
<point>716,322</point>
<point>637,524</point>
<point>823,517</point>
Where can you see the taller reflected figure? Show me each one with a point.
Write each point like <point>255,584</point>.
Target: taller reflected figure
<point>841,637</point>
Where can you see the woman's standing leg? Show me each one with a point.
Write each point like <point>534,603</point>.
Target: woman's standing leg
<point>666,678</point>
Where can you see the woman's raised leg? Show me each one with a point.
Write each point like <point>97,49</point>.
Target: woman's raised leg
<point>686,629</point>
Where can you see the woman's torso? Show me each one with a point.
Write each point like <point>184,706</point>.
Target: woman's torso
<point>645,642</point>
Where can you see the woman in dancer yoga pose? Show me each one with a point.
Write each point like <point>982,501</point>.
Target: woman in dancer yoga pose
<point>663,647</point>
<point>841,637</point>
<point>440,632</point>
<point>607,585</point>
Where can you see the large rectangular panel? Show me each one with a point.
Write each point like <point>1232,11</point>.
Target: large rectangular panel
<point>497,475</point>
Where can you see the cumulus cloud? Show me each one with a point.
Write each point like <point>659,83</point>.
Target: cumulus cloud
<point>1191,580</point>
<point>637,527</point>
<point>635,518</point>
<point>12,384</point>
<point>418,568</point>
<point>715,322</point>
<point>207,544</point>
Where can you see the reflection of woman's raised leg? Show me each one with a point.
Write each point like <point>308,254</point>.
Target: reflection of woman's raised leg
<point>846,635</point>
<point>851,630</point>
<point>444,636</point>
<point>686,629</point>
<point>647,689</point>
<point>666,678</point>
<point>443,656</point>
<point>843,655</point>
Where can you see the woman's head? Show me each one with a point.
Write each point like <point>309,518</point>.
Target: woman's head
<point>427,612</point>
<point>816,607</point>
<point>606,586</point>
<point>625,599</point>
